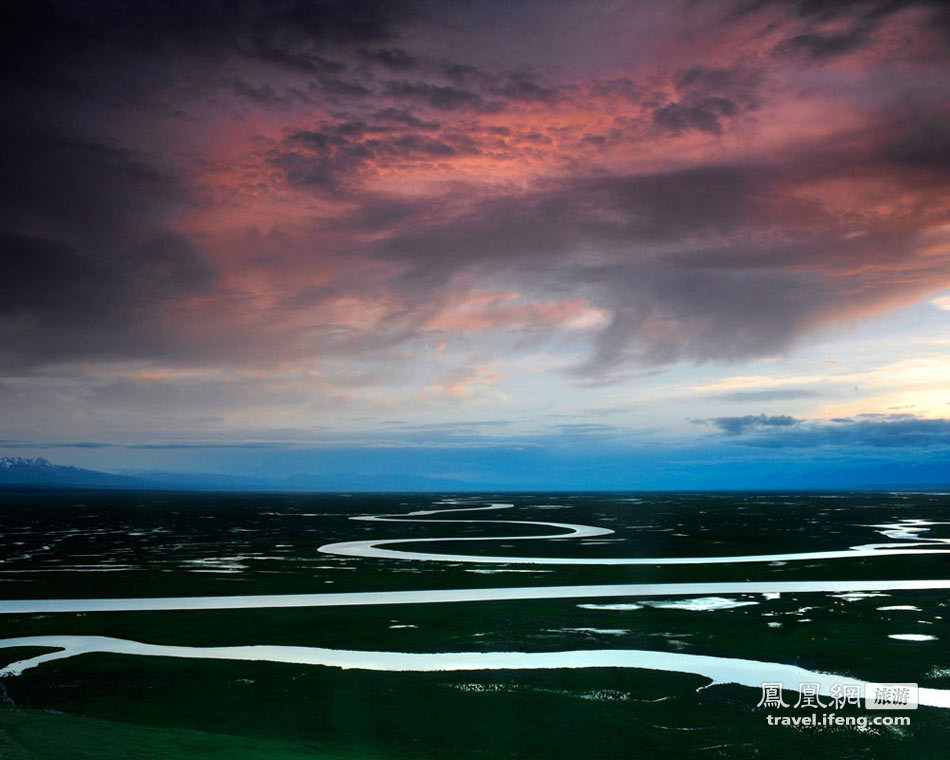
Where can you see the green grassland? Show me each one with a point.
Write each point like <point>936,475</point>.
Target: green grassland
<point>39,735</point>
<point>119,706</point>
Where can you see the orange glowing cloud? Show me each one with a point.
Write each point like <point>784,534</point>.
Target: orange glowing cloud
<point>507,311</point>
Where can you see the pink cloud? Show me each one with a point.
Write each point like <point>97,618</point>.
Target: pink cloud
<point>480,312</point>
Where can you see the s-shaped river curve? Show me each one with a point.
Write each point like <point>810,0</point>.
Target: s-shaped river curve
<point>372,547</point>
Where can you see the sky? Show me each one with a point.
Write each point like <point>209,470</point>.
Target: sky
<point>532,243</point>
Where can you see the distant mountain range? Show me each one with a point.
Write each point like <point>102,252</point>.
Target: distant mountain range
<point>41,473</point>
<point>17,471</point>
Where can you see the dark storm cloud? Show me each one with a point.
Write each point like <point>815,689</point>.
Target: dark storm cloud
<point>728,259</point>
<point>709,96</point>
<point>919,140</point>
<point>610,211</point>
<point>826,10</point>
<point>524,87</point>
<point>704,114</point>
<point>380,213</point>
<point>267,95</point>
<point>92,267</point>
<point>480,91</point>
<point>59,179</point>
<point>867,430</point>
<point>342,87</point>
<point>301,60</point>
<point>404,117</point>
<point>331,155</point>
<point>883,431</point>
<point>818,45</point>
<point>39,38</point>
<point>438,96</point>
<point>863,19</point>
<point>67,303</point>
<point>738,84</point>
<point>746,266</point>
<point>715,79</point>
<point>625,218</point>
<point>734,238</point>
<point>46,280</point>
<point>392,58</point>
<point>739,425</point>
<point>662,315</point>
<point>87,264</point>
<point>622,86</point>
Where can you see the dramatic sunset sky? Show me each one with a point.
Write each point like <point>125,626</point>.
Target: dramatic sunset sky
<point>519,243</point>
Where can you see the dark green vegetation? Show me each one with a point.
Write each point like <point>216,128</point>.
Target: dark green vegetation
<point>163,544</point>
<point>32,734</point>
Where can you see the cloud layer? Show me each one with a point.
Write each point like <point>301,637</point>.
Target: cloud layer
<point>271,198</point>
